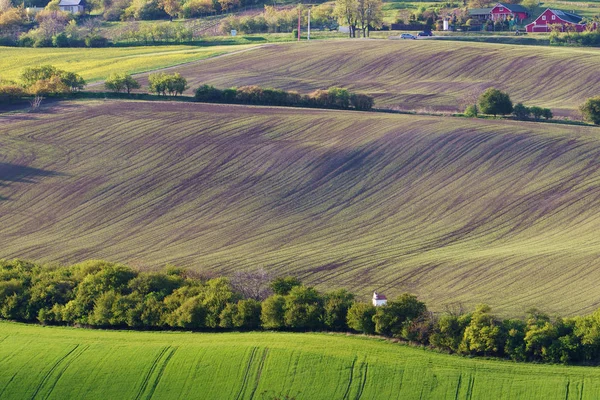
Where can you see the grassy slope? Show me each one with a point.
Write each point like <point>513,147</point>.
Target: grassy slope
<point>60,363</point>
<point>97,64</point>
<point>451,209</point>
<point>407,74</point>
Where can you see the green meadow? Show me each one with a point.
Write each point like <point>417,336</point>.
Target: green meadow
<point>60,363</point>
<point>97,64</point>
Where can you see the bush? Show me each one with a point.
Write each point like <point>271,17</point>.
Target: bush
<point>547,114</point>
<point>361,101</point>
<point>95,41</point>
<point>209,94</point>
<point>162,83</point>
<point>60,40</point>
<point>121,82</point>
<point>537,112</point>
<point>591,110</point>
<point>494,101</point>
<point>521,112</point>
<point>471,111</point>
<point>10,92</point>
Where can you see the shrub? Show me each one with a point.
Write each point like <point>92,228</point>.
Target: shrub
<point>361,101</point>
<point>360,318</point>
<point>547,114</point>
<point>471,111</point>
<point>120,82</point>
<point>207,93</point>
<point>521,112</point>
<point>10,92</point>
<point>60,40</point>
<point>494,101</point>
<point>95,41</point>
<point>591,110</point>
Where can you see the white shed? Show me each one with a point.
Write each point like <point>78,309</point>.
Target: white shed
<point>72,6</point>
<point>379,299</point>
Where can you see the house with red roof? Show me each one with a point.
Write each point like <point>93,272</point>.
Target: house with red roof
<point>500,12</point>
<point>559,18</point>
<point>379,299</point>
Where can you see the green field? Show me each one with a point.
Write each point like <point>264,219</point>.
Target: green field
<point>453,210</point>
<point>65,363</point>
<point>421,74</point>
<point>97,64</point>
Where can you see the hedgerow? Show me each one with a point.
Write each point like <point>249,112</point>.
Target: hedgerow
<point>109,295</point>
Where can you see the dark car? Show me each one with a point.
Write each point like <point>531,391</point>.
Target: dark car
<point>425,34</point>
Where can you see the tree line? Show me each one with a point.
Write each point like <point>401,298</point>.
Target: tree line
<point>110,295</point>
<point>334,97</point>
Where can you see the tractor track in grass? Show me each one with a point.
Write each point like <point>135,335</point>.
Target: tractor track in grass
<point>56,365</point>
<point>156,363</point>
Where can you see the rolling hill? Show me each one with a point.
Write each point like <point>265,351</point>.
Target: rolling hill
<point>421,74</point>
<point>60,363</point>
<point>453,210</point>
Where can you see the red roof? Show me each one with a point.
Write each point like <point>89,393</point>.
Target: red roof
<point>378,296</point>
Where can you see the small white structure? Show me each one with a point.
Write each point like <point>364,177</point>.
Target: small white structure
<point>379,299</point>
<point>72,6</point>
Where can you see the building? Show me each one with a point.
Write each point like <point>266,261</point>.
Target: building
<point>558,18</point>
<point>379,299</point>
<point>72,6</point>
<point>500,12</point>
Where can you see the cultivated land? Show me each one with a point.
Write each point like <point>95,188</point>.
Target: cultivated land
<point>61,363</point>
<point>420,74</point>
<point>452,210</point>
<point>97,64</point>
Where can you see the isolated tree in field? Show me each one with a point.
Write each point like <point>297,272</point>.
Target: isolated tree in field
<point>121,82</point>
<point>346,13</point>
<point>591,110</point>
<point>494,101</point>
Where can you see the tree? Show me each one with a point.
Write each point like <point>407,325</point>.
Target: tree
<point>483,334</point>
<point>471,111</point>
<point>537,112</point>
<point>346,13</point>
<point>252,284</point>
<point>360,318</point>
<point>521,112</point>
<point>162,83</point>
<point>494,101</point>
<point>392,318</point>
<point>283,285</point>
<point>368,14</point>
<point>272,313</point>
<point>120,82</point>
<point>591,110</point>
<point>303,309</point>
<point>449,331</point>
<point>336,309</point>
<point>171,7</point>
<point>547,114</point>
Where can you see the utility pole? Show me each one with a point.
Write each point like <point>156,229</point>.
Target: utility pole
<point>299,15</point>
<point>308,36</point>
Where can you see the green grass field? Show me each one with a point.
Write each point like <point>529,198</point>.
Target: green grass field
<point>97,64</point>
<point>420,74</point>
<point>453,210</point>
<point>65,363</point>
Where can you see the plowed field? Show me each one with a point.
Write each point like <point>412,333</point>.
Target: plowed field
<point>415,74</point>
<point>500,212</point>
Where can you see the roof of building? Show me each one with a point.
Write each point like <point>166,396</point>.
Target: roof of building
<point>567,16</point>
<point>71,3</point>
<point>479,11</point>
<point>378,296</point>
<point>514,7</point>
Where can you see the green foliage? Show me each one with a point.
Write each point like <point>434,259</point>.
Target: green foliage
<point>360,318</point>
<point>273,312</point>
<point>591,110</point>
<point>494,101</point>
<point>394,318</point>
<point>521,112</point>
<point>303,309</point>
<point>336,309</point>
<point>162,84</point>
<point>471,111</point>
<point>449,331</point>
<point>483,335</point>
<point>537,112</point>
<point>48,80</point>
<point>283,285</point>
<point>121,82</point>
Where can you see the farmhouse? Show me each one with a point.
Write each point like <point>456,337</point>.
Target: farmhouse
<point>379,299</point>
<point>558,18</point>
<point>72,6</point>
<point>500,12</point>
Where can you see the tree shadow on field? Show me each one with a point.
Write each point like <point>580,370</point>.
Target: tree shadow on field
<point>14,173</point>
